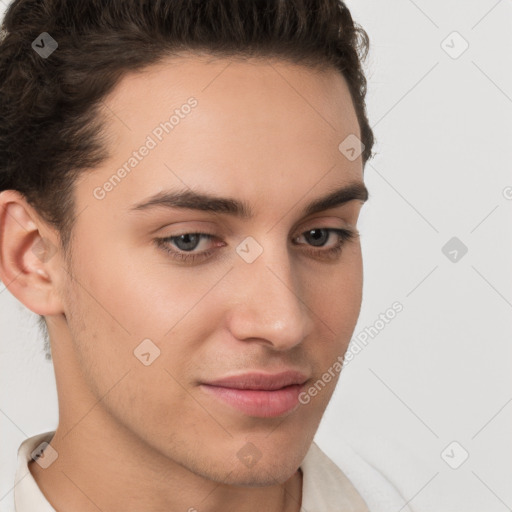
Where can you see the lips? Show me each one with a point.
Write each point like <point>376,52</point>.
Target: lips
<point>259,394</point>
<point>261,381</point>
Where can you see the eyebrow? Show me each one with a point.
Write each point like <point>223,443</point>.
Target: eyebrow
<point>193,200</point>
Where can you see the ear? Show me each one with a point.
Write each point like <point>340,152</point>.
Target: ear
<point>29,259</point>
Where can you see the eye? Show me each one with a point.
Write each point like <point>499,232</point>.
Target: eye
<point>186,242</point>
<point>317,237</point>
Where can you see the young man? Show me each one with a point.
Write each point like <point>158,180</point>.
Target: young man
<point>181,184</point>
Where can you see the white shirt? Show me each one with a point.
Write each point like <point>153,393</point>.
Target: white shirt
<point>325,487</point>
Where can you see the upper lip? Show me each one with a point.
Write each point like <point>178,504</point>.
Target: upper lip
<point>259,380</point>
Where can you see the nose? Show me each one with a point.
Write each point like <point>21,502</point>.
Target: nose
<point>270,304</point>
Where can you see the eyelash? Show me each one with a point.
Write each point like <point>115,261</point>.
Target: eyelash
<point>345,235</point>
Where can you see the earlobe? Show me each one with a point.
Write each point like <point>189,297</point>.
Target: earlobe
<point>26,256</point>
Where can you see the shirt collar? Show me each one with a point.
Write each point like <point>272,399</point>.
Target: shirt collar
<point>27,495</point>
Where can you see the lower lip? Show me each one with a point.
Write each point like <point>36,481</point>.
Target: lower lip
<point>260,403</point>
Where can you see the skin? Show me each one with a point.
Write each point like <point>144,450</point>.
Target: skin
<point>141,437</point>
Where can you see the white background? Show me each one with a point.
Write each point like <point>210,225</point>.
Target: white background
<point>440,371</point>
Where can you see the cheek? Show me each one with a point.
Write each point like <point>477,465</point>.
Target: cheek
<point>335,303</point>
<point>146,401</point>
<point>142,398</point>
<point>98,306</point>
<point>335,296</point>
<point>117,302</point>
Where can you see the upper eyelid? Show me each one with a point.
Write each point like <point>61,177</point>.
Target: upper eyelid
<point>301,232</point>
<point>314,223</point>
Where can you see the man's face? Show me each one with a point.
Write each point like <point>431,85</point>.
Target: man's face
<point>263,294</point>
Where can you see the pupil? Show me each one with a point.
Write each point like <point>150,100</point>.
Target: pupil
<point>316,238</point>
<point>188,236</point>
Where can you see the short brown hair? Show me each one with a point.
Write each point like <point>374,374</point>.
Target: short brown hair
<point>50,130</point>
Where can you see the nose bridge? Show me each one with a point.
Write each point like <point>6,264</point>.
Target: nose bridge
<point>270,305</point>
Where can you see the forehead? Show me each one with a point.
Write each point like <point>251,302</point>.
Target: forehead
<point>256,124</point>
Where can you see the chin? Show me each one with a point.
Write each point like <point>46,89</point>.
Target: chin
<point>260,475</point>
